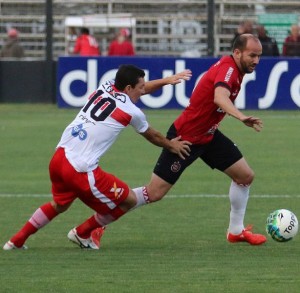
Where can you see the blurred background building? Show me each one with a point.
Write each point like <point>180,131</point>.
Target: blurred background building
<point>161,28</point>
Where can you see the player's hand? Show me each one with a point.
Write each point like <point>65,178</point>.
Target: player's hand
<point>253,122</point>
<point>178,77</point>
<point>180,147</point>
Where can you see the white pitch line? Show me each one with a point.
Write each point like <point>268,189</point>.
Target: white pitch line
<point>226,195</point>
<point>167,196</point>
<point>25,195</point>
<point>291,115</point>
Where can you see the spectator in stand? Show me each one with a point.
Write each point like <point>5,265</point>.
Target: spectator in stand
<point>86,45</point>
<point>291,45</point>
<point>121,46</point>
<point>246,27</point>
<point>12,48</point>
<point>269,45</point>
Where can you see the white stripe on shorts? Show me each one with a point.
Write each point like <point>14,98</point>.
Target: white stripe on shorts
<point>97,193</point>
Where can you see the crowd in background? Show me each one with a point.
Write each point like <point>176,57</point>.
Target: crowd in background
<point>12,47</point>
<point>121,45</point>
<point>291,44</point>
<point>87,45</point>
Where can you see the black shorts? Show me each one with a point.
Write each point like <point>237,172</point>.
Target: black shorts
<point>219,154</point>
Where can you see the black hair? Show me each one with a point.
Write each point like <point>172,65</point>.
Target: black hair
<point>85,31</point>
<point>128,74</point>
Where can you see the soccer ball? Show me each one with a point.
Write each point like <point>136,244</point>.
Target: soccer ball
<point>282,225</point>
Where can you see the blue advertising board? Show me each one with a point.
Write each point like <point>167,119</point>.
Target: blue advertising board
<point>275,84</point>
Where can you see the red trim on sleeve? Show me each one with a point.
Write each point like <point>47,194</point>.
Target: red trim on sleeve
<point>121,116</point>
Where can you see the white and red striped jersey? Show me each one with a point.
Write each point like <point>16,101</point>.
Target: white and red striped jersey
<point>98,124</point>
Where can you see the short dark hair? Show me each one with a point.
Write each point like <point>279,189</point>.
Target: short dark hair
<point>240,41</point>
<point>128,74</point>
<point>85,31</point>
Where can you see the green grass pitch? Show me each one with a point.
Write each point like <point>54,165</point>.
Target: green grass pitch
<point>175,245</point>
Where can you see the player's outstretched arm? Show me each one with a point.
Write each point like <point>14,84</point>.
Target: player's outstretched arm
<point>176,145</point>
<point>153,85</point>
<point>223,101</point>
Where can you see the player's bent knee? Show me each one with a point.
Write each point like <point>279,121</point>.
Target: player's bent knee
<point>245,180</point>
<point>60,208</point>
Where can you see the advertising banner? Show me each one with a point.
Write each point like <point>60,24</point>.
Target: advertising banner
<point>275,84</point>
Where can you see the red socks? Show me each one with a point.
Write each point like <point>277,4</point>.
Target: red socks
<point>41,217</point>
<point>84,230</point>
<point>45,213</point>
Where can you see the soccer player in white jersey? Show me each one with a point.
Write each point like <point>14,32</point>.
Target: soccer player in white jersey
<point>74,169</point>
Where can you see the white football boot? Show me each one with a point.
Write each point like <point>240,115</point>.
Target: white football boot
<point>83,243</point>
<point>10,246</point>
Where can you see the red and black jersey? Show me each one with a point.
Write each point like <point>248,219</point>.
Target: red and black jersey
<point>198,122</point>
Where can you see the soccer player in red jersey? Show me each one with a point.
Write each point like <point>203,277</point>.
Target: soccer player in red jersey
<point>211,100</point>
